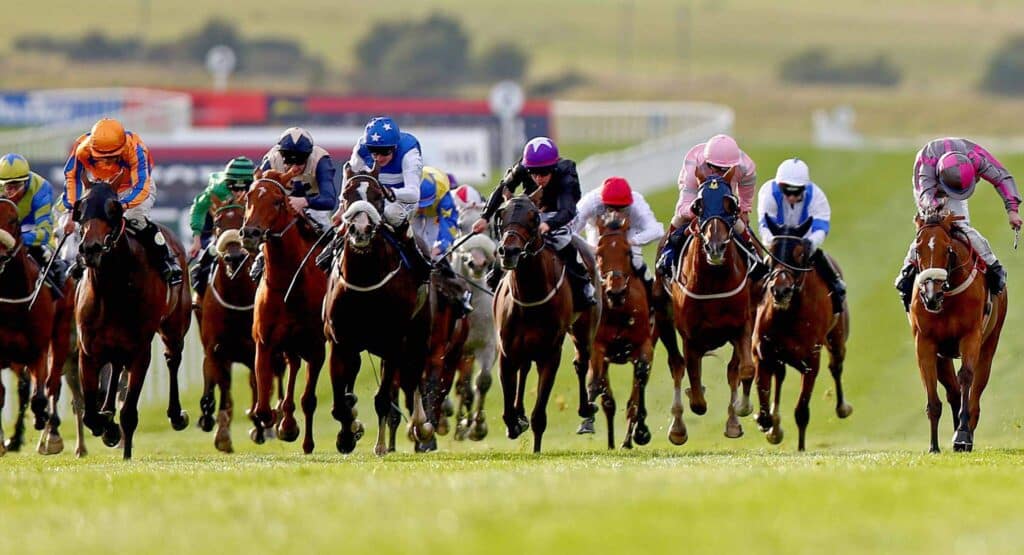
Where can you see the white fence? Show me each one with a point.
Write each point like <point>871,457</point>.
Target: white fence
<point>664,131</point>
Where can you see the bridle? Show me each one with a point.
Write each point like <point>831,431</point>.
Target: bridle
<point>932,273</point>
<point>796,273</point>
<point>267,233</point>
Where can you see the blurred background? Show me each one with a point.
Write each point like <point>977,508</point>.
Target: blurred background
<point>624,86</point>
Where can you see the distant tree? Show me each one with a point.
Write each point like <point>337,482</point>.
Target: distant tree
<point>504,60</point>
<point>1005,73</point>
<point>816,66</point>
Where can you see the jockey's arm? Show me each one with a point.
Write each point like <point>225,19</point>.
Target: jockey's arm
<point>586,211</point>
<point>745,189</point>
<point>994,172</point>
<point>139,170</point>
<point>327,198</point>
<point>766,209</point>
<point>566,208</point>
<point>201,206</point>
<point>822,214</point>
<point>687,183</point>
<point>926,182</point>
<point>42,215</point>
<point>644,226</point>
<point>72,179</point>
<point>412,174</point>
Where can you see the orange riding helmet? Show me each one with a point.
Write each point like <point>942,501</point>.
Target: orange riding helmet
<point>107,138</point>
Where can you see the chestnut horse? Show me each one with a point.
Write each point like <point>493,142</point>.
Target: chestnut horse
<point>712,304</point>
<point>225,315</point>
<point>121,303</point>
<point>290,327</point>
<point>625,334</point>
<point>793,322</point>
<point>533,310</point>
<point>374,304</point>
<point>952,315</point>
<point>35,336</point>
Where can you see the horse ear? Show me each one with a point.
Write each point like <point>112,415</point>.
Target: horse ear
<point>698,172</point>
<point>346,171</point>
<point>729,174</point>
<point>697,207</point>
<point>76,211</point>
<point>258,174</point>
<point>773,227</point>
<point>803,228</point>
<point>112,209</point>
<point>729,203</point>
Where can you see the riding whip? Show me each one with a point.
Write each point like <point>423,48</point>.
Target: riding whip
<point>329,231</point>
<point>42,276</point>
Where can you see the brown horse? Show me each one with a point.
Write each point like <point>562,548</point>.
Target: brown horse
<point>793,322</point>
<point>374,304</point>
<point>225,316</point>
<point>952,315</point>
<point>449,330</point>
<point>712,304</point>
<point>287,321</point>
<point>533,310</point>
<point>625,334</point>
<point>35,337</point>
<point>121,303</point>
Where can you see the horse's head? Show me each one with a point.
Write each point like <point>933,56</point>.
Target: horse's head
<point>790,254</point>
<point>936,257</point>
<point>614,255</point>
<point>101,216</point>
<point>365,186</point>
<point>361,222</point>
<point>228,218</point>
<point>520,231</point>
<point>475,256</point>
<point>10,232</point>
<point>716,209</point>
<point>267,212</point>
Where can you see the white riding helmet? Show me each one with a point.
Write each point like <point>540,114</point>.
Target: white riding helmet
<point>793,172</point>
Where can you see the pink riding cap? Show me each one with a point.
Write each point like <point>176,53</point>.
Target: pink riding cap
<point>744,180</point>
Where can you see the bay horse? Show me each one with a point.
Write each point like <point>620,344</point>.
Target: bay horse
<point>35,336</point>
<point>625,334</point>
<point>284,329</point>
<point>952,315</point>
<point>120,304</point>
<point>712,304</point>
<point>225,317</point>
<point>793,322</point>
<point>374,304</point>
<point>533,311</point>
<point>472,260</point>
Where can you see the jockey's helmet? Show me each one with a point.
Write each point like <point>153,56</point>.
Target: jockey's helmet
<point>238,173</point>
<point>381,133</point>
<point>295,145</point>
<point>433,179</point>
<point>14,174</point>
<point>466,195</point>
<point>956,175</point>
<point>107,138</point>
<point>722,152</point>
<point>793,176</point>
<point>615,191</point>
<point>540,152</point>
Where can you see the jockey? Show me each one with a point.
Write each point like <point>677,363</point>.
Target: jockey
<point>714,158</point>
<point>789,200</point>
<point>312,191</point>
<point>436,223</point>
<point>945,173</point>
<point>542,168</point>
<point>229,185</point>
<point>33,197</point>
<point>615,193</point>
<point>398,157</point>
<point>109,153</point>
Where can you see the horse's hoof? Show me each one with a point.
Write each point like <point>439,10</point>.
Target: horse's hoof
<point>744,407</point>
<point>181,422</point>
<point>774,436</point>
<point>586,427</point>
<point>514,431</point>
<point>288,429</point>
<point>676,437</point>
<point>642,434</point>
<point>345,443</point>
<point>380,449</point>
<point>13,445</point>
<point>40,421</point>
<point>733,430</point>
<point>764,422</point>
<point>256,435</point>
<point>427,446</point>
<point>844,410</point>
<point>358,429</point>
<point>223,443</point>
<point>270,433</point>
<point>81,453</point>
<point>461,430</point>
<point>963,441</point>
<point>308,446</point>
<point>478,430</point>
<point>54,445</point>
<point>112,435</point>
<point>698,406</point>
<point>443,427</point>
<point>206,423</point>
<point>587,410</point>
<point>448,407</point>
<point>425,432</point>
<point>934,450</point>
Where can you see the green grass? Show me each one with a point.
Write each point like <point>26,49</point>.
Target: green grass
<point>865,483</point>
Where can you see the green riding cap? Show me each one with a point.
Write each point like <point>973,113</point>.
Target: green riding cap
<point>239,169</point>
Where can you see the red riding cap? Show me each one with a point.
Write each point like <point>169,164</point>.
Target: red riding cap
<point>615,191</point>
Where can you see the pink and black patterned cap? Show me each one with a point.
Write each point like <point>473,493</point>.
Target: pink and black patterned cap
<point>957,175</point>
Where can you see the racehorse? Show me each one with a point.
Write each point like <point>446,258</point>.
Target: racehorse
<point>472,260</point>
<point>225,316</point>
<point>374,304</point>
<point>625,334</point>
<point>793,322</point>
<point>952,315</point>
<point>712,304</point>
<point>35,338</point>
<point>286,321</point>
<point>449,331</point>
<point>120,304</point>
<point>533,310</point>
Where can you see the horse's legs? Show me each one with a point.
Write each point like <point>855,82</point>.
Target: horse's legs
<point>768,414</point>
<point>947,377</point>
<point>51,443</point>
<point>970,351</point>
<point>225,410</point>
<point>927,365</point>
<point>582,363</point>
<point>733,429</point>
<point>478,428</point>
<point>37,370</point>
<point>981,375</point>
<point>524,373</point>
<point>3,401</point>
<point>802,414</point>
<point>744,350</point>
<point>598,370</point>
<point>314,363</point>
<point>288,428</point>
<point>344,368</point>
<point>677,431</point>
<point>89,372</point>
<point>382,402</point>
<point>693,357</point>
<point>262,415</point>
<point>508,372</point>
<point>638,430</point>
<point>207,402</point>
<point>74,379</point>
<point>466,395</point>
<point>130,408</point>
<point>172,355</point>
<point>24,388</point>
<point>546,369</point>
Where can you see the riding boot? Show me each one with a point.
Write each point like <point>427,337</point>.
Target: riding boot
<point>833,281</point>
<point>418,262</point>
<point>201,271</point>
<point>579,278</point>
<point>905,284</point>
<point>156,245</point>
<point>494,275</point>
<point>670,252</point>
<point>327,256</point>
<point>995,278</point>
<point>256,270</point>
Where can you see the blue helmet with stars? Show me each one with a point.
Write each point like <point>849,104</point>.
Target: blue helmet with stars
<point>381,132</point>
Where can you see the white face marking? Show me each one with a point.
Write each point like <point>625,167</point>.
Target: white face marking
<point>262,192</point>
<point>931,243</point>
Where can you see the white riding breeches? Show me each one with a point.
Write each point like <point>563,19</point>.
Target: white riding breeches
<point>322,217</point>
